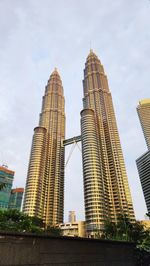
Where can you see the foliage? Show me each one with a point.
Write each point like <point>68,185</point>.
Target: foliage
<point>125,230</point>
<point>53,231</point>
<point>37,221</point>
<point>16,221</point>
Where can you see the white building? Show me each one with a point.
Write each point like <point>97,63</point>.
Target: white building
<point>75,229</point>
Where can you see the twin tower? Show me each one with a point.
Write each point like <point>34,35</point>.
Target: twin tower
<point>106,189</point>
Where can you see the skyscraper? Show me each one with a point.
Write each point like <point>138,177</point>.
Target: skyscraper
<point>44,194</point>
<point>106,189</point>
<point>143,162</point>
<point>143,166</point>
<point>143,110</point>
<point>6,177</point>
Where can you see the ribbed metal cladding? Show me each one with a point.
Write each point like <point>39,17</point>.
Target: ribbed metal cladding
<point>93,187</point>
<point>51,190</point>
<point>116,197</point>
<point>33,202</point>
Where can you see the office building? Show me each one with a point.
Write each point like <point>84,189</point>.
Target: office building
<point>143,110</point>
<point>143,162</point>
<point>106,189</point>
<point>15,200</point>
<point>6,177</point>
<point>72,217</point>
<point>44,193</point>
<point>143,166</point>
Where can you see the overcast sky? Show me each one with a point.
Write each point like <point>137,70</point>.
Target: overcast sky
<point>35,37</point>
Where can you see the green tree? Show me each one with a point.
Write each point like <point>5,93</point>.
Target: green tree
<point>110,230</point>
<point>125,230</point>
<point>53,231</point>
<point>14,220</point>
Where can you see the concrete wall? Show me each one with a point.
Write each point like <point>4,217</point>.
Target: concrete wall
<point>43,250</point>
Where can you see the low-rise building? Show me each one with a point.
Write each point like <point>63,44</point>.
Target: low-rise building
<point>76,229</point>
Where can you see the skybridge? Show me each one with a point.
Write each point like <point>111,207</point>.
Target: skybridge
<point>71,140</point>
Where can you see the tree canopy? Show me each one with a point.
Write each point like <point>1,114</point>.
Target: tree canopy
<point>127,231</point>
<point>16,221</point>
